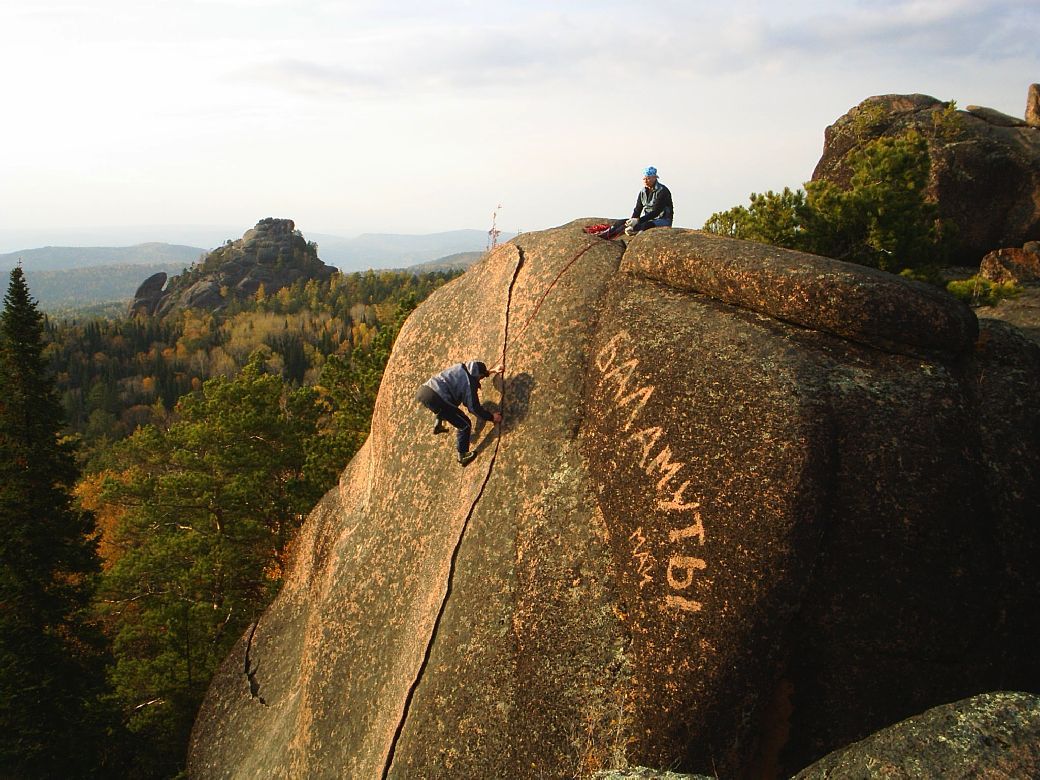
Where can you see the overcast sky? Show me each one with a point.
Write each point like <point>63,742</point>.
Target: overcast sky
<point>421,117</point>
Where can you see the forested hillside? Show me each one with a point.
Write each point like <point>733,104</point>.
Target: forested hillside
<point>116,374</point>
<point>203,439</point>
<point>61,292</point>
<point>64,258</point>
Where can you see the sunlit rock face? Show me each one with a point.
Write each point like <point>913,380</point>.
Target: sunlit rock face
<point>747,506</point>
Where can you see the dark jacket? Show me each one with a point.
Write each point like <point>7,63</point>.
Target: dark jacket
<point>458,385</point>
<point>654,204</point>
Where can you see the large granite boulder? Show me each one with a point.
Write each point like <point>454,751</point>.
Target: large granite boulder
<point>994,735</point>
<point>747,506</point>
<point>985,173</point>
<point>272,255</point>
<point>1020,266</point>
<point>148,294</point>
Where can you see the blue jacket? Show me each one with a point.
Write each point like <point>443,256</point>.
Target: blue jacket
<point>654,204</point>
<point>458,385</point>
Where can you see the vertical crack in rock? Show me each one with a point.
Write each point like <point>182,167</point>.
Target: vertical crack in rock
<point>545,293</point>
<point>455,552</point>
<point>250,670</point>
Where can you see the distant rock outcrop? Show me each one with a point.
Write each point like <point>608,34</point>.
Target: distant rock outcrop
<point>148,294</point>
<point>1033,106</point>
<point>994,735</point>
<point>985,173</point>
<point>747,506</point>
<point>273,254</point>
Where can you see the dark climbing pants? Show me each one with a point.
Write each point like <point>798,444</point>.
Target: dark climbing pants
<point>646,224</point>
<point>428,397</point>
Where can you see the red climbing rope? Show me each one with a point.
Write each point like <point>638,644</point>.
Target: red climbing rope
<point>552,284</point>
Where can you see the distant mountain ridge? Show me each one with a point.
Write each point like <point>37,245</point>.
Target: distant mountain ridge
<point>76,288</point>
<point>59,258</point>
<point>397,250</point>
<point>447,263</point>
<point>368,250</point>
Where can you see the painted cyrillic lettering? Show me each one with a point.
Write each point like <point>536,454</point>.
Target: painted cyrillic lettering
<point>663,463</point>
<point>643,394</point>
<point>687,566</point>
<point>610,348</point>
<point>695,530</point>
<point>648,437</point>
<point>679,602</point>
<point>676,504</point>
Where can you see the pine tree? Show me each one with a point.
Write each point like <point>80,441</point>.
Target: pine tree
<point>207,509</point>
<point>882,219</point>
<point>50,660</point>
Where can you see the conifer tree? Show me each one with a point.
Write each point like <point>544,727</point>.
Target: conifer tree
<point>50,660</point>
<point>208,507</point>
<point>882,219</point>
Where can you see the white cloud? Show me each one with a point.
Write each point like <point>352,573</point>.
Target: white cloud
<point>446,108</point>
<point>312,78</point>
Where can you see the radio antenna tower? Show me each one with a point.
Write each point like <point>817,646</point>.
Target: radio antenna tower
<point>494,232</point>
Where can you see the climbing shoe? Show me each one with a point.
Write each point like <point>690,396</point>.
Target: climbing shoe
<point>438,427</point>
<point>466,457</point>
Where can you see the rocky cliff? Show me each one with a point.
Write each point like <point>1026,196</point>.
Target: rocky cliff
<point>273,254</point>
<point>985,172</point>
<point>747,506</point>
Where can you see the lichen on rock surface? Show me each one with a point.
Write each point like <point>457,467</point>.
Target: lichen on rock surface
<point>746,507</point>
<point>988,736</point>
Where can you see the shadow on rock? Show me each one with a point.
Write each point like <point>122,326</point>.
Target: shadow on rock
<point>518,391</point>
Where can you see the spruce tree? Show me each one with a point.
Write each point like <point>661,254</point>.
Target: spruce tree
<point>50,670</point>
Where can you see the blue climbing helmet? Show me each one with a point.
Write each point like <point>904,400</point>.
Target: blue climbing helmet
<point>651,171</point>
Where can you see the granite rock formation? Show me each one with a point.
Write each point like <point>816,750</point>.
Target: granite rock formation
<point>273,254</point>
<point>1033,106</point>
<point>985,174</point>
<point>993,117</point>
<point>747,506</point>
<point>988,736</point>
<point>147,297</point>
<point>1021,266</point>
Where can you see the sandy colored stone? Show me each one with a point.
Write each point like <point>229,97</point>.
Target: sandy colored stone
<point>1033,106</point>
<point>858,303</point>
<point>1011,265</point>
<point>719,532</point>
<point>994,117</point>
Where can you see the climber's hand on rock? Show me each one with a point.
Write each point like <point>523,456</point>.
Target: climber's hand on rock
<point>496,417</point>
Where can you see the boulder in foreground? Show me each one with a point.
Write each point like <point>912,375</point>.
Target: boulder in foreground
<point>747,507</point>
<point>994,735</point>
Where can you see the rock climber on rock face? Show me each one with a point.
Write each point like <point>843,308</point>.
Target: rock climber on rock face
<point>443,393</point>
<point>653,205</point>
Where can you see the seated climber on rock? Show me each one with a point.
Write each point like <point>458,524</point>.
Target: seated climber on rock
<point>653,205</point>
<point>443,393</point>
